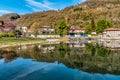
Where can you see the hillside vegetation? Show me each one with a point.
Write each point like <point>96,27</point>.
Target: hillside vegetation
<point>79,15</point>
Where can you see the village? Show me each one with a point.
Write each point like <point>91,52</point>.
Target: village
<point>60,40</point>
<point>46,32</point>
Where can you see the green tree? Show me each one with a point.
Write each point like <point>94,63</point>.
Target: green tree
<point>62,28</point>
<point>93,27</point>
<point>18,33</point>
<point>103,24</point>
<point>88,30</point>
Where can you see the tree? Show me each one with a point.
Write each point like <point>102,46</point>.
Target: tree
<point>18,33</point>
<point>62,28</point>
<point>15,17</point>
<point>93,27</point>
<point>88,30</point>
<point>103,24</point>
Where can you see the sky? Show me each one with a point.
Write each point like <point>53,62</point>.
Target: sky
<point>30,6</point>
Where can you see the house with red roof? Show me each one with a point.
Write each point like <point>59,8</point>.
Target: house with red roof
<point>76,32</point>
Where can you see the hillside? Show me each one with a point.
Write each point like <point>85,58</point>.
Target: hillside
<point>79,15</point>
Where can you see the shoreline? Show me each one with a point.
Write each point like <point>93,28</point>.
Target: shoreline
<point>20,44</point>
<point>33,42</point>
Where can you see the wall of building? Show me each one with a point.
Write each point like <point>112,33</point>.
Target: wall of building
<point>111,35</point>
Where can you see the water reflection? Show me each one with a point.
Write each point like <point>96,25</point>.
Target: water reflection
<point>111,44</point>
<point>83,59</point>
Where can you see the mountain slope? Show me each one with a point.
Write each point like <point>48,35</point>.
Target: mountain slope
<point>79,15</point>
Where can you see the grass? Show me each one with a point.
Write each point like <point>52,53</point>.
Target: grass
<point>12,40</point>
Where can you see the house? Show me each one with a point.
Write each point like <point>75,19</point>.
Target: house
<point>93,32</point>
<point>76,32</point>
<point>24,29</point>
<point>111,33</point>
<point>46,30</point>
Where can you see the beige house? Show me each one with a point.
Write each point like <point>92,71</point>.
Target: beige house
<point>46,30</point>
<point>111,33</point>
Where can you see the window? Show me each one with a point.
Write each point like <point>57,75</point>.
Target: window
<point>107,35</point>
<point>118,34</point>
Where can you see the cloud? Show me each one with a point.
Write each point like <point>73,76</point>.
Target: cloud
<point>78,1</point>
<point>45,5</point>
<point>5,11</point>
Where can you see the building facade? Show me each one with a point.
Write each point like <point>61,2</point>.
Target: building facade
<point>111,33</point>
<point>46,30</point>
<point>76,32</point>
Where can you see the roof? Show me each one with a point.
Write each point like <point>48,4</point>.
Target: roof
<point>45,27</point>
<point>112,29</point>
<point>77,29</point>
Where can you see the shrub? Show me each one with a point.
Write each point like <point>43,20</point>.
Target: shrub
<point>7,35</point>
<point>11,35</point>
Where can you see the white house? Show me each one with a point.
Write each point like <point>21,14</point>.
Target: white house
<point>47,29</point>
<point>111,33</point>
<point>24,29</point>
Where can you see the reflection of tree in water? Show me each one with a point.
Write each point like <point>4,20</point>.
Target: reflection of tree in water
<point>8,55</point>
<point>62,49</point>
<point>95,49</point>
<point>92,58</point>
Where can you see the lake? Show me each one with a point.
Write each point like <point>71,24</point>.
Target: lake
<point>72,60</point>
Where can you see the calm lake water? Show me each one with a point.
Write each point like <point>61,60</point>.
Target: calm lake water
<point>61,61</point>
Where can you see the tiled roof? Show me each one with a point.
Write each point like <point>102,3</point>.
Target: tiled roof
<point>112,29</point>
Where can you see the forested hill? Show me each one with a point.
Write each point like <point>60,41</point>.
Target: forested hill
<point>79,15</point>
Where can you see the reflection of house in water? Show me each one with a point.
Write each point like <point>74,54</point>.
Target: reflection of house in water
<point>111,44</point>
<point>77,45</point>
<point>23,47</point>
<point>48,48</point>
